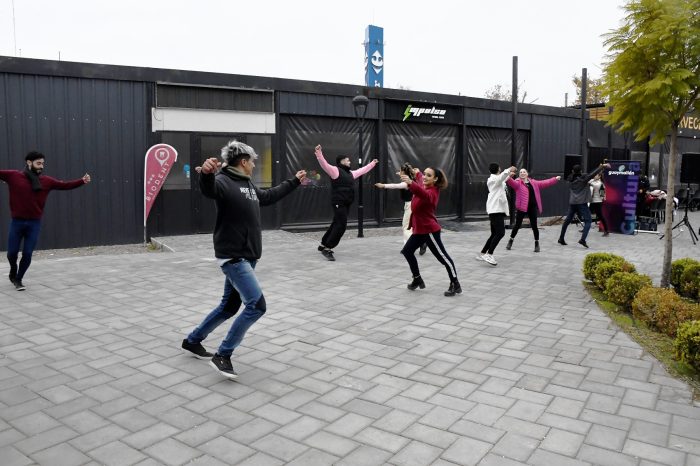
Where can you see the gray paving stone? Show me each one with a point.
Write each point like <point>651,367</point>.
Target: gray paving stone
<point>11,457</point>
<point>416,454</point>
<point>116,454</point>
<point>563,442</point>
<point>654,453</point>
<point>172,452</point>
<point>515,446</point>
<point>606,437</point>
<point>595,455</point>
<point>467,451</point>
<point>331,443</point>
<point>226,450</point>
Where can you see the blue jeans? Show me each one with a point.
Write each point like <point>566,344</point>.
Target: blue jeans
<point>241,287</point>
<point>29,231</point>
<point>584,213</point>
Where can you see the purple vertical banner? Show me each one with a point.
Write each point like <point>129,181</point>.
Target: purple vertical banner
<point>619,208</point>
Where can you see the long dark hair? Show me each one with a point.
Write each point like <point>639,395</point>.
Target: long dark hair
<point>440,178</point>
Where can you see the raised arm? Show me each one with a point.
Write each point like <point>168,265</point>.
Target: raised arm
<point>327,167</point>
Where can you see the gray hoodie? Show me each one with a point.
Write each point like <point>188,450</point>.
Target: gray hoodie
<point>579,192</point>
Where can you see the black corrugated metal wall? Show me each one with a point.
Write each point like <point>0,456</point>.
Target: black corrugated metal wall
<point>96,126</point>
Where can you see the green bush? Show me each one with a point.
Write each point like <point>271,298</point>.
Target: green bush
<point>622,287</point>
<point>605,270</point>
<point>590,263</point>
<point>678,267</point>
<point>690,282</point>
<point>664,309</point>
<point>688,343</point>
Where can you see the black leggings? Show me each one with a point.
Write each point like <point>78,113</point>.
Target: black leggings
<point>434,243</point>
<point>337,228</point>
<point>597,209</point>
<point>532,215</point>
<point>498,231</point>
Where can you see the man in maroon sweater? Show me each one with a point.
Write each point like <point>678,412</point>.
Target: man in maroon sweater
<point>28,192</point>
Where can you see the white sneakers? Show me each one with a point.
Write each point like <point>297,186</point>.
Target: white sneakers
<point>486,258</point>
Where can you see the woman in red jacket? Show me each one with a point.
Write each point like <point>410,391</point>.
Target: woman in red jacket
<point>528,202</point>
<point>426,229</point>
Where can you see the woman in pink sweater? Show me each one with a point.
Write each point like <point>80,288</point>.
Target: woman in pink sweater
<point>528,202</point>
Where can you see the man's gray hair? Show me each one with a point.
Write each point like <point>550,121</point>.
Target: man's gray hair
<point>235,150</point>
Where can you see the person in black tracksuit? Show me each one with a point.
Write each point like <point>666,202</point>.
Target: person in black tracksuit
<point>237,247</point>
<point>342,197</point>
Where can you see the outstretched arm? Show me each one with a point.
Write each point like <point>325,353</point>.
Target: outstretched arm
<point>65,185</point>
<point>328,168</point>
<point>362,170</point>
<point>272,195</point>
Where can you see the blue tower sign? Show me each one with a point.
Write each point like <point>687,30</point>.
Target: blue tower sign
<point>374,56</point>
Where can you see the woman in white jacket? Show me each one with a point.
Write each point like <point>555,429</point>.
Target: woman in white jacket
<point>497,208</point>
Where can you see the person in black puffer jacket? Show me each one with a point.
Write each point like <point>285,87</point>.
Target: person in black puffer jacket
<point>342,197</point>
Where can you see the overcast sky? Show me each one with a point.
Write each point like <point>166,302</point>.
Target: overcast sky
<point>451,47</point>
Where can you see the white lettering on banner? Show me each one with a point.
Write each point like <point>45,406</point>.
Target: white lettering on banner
<point>438,113</point>
<point>154,183</point>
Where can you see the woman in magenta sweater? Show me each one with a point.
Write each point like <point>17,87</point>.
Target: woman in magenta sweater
<point>425,227</point>
<point>528,202</point>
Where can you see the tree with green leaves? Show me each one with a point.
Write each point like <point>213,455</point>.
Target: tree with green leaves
<point>594,90</point>
<point>651,79</point>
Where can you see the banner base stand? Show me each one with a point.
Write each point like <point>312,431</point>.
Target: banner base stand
<point>647,231</point>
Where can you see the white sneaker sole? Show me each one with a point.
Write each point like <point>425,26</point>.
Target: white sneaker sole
<point>228,376</point>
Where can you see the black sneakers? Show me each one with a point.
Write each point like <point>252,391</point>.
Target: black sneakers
<point>18,285</point>
<point>510,244</point>
<point>197,350</point>
<point>455,288</point>
<point>328,254</point>
<point>583,243</point>
<point>422,249</point>
<point>537,246</point>
<point>561,241</point>
<point>223,366</point>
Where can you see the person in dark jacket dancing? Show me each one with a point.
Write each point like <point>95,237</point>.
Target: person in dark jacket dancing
<point>342,196</point>
<point>237,247</point>
<point>425,227</point>
<point>29,190</point>
<point>579,197</point>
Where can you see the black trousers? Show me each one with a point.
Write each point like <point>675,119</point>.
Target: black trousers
<point>597,209</point>
<point>436,248</point>
<point>337,229</point>
<point>532,215</point>
<point>498,231</point>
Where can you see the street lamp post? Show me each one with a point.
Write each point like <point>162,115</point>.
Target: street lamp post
<point>360,103</point>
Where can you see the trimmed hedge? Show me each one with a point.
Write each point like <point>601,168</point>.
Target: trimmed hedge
<point>687,343</point>
<point>590,263</point>
<point>605,270</point>
<point>690,282</point>
<point>678,267</point>
<point>664,309</point>
<point>622,287</point>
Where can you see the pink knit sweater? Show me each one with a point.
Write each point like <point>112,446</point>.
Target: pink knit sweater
<point>522,195</point>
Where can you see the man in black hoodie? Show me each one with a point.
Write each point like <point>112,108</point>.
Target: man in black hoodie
<point>237,247</point>
<point>579,197</point>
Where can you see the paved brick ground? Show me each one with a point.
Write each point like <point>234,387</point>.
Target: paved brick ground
<point>347,367</point>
